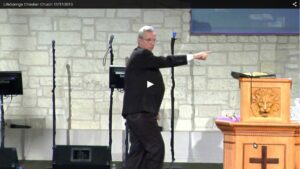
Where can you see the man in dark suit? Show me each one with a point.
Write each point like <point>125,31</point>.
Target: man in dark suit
<point>144,91</point>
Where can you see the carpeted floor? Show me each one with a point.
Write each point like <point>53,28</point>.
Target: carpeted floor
<point>48,165</point>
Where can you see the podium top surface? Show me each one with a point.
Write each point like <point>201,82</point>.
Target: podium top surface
<point>249,124</point>
<point>273,80</point>
<point>259,129</point>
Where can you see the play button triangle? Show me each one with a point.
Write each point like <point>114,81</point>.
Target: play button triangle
<point>149,84</point>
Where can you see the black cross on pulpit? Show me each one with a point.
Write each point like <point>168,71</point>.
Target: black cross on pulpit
<point>264,160</point>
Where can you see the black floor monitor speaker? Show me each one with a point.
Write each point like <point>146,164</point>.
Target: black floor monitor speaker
<point>8,158</point>
<point>81,157</point>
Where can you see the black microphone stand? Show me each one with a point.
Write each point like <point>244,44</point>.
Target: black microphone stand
<point>2,122</point>
<point>53,95</point>
<point>172,99</point>
<point>70,104</point>
<point>111,96</point>
<point>110,50</point>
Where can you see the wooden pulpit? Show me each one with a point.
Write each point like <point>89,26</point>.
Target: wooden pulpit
<point>264,137</point>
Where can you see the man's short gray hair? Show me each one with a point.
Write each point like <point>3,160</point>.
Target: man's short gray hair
<point>143,30</point>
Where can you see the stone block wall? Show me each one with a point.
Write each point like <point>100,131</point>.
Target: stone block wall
<point>204,90</point>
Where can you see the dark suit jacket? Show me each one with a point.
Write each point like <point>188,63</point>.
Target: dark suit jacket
<point>143,66</point>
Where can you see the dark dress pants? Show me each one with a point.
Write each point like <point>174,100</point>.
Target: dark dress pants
<point>146,143</point>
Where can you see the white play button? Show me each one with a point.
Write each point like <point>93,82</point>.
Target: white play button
<point>149,84</point>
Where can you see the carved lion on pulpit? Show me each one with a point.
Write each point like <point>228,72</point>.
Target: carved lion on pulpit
<point>265,103</point>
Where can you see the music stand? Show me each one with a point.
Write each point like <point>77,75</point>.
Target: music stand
<point>116,76</point>
<point>10,84</point>
<point>116,80</point>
